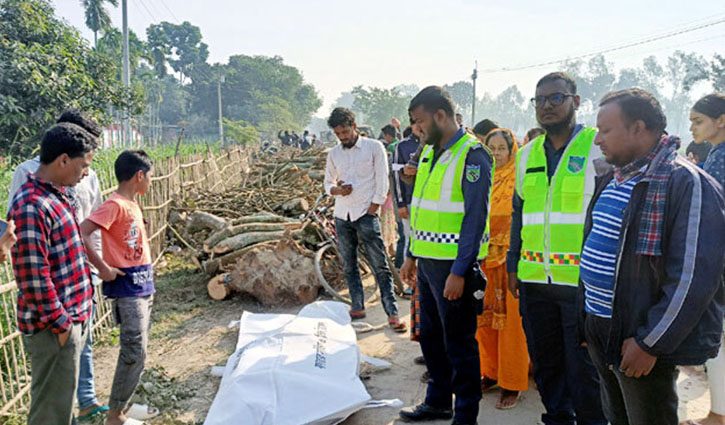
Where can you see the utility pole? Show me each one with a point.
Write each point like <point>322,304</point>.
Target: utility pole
<point>473,107</point>
<point>126,140</point>
<point>219,98</point>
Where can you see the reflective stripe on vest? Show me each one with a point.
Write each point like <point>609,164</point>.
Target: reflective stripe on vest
<point>554,212</point>
<point>437,207</point>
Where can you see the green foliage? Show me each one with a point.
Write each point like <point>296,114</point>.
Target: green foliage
<point>717,73</point>
<point>97,18</point>
<point>179,45</point>
<point>379,106</point>
<point>46,67</point>
<point>240,132</point>
<point>260,90</point>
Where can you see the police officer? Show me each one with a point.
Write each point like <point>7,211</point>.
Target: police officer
<point>449,233</point>
<point>555,176</point>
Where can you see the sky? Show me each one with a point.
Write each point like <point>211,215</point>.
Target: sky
<point>340,44</point>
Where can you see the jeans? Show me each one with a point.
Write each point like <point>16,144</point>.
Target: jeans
<point>403,242</point>
<point>86,393</point>
<point>646,400</point>
<point>54,375</point>
<point>448,342</point>
<point>366,232</point>
<point>133,315</point>
<point>565,376</point>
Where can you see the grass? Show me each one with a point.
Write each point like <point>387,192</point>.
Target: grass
<point>103,164</point>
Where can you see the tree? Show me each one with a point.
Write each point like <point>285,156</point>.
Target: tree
<point>717,73</point>
<point>46,67</point>
<point>179,45</point>
<point>462,94</point>
<point>379,106</point>
<point>260,90</point>
<point>682,72</point>
<point>97,18</point>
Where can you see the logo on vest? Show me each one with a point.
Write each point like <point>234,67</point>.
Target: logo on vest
<point>576,163</point>
<point>473,173</point>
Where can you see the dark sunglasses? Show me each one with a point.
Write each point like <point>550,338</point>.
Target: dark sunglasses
<point>555,99</point>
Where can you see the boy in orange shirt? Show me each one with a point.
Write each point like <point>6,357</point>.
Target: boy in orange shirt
<point>127,276</point>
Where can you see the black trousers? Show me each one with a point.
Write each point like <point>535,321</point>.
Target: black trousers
<point>448,341</point>
<point>647,400</point>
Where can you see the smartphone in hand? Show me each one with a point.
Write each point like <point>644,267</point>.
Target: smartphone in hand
<point>3,227</point>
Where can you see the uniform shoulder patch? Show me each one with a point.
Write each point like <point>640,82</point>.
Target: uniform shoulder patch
<point>576,164</point>
<point>473,172</point>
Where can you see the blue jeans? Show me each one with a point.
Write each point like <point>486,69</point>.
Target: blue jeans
<point>564,373</point>
<point>401,248</point>
<point>448,342</point>
<point>366,232</point>
<point>86,391</point>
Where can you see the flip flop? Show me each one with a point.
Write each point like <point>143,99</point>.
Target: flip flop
<point>488,384</point>
<point>98,410</point>
<point>514,404</point>
<point>141,412</point>
<point>132,421</point>
<point>357,314</point>
<point>397,325</point>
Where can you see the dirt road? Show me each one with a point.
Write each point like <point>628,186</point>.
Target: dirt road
<point>190,335</point>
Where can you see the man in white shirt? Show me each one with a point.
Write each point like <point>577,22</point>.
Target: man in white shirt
<point>357,176</point>
<point>86,197</point>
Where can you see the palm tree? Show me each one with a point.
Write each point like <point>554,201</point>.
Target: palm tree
<point>97,18</point>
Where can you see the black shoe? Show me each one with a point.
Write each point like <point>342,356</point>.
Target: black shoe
<point>456,422</point>
<point>419,360</point>
<point>423,412</point>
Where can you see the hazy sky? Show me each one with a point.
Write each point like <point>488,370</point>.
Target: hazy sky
<point>340,44</point>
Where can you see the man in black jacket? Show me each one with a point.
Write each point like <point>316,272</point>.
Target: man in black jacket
<point>651,293</point>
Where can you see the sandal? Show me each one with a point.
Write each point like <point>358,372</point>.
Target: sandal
<point>488,384</point>
<point>397,325</point>
<point>357,314</point>
<point>507,395</point>
<point>98,410</point>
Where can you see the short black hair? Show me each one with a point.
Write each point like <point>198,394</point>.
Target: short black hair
<point>712,105</point>
<point>389,130</point>
<point>700,150</point>
<point>505,134</point>
<point>66,138</point>
<point>483,127</point>
<point>341,117</point>
<point>82,120</point>
<point>433,98</point>
<point>130,162</point>
<point>534,133</point>
<point>638,105</point>
<point>556,76</point>
<point>408,131</point>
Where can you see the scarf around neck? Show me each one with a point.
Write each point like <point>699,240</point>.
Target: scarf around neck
<point>659,163</point>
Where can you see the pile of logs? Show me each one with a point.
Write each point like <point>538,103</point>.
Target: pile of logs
<point>286,182</point>
<point>251,239</point>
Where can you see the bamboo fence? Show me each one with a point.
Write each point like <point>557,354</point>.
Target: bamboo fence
<point>174,178</point>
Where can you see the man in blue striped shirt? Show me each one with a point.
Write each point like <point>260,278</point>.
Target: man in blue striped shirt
<point>651,296</point>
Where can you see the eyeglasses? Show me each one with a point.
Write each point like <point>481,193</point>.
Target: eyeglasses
<point>555,99</point>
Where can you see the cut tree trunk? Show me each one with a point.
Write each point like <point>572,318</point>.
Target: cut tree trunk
<point>218,288</point>
<point>228,232</point>
<point>200,220</point>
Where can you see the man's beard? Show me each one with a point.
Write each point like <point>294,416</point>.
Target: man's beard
<point>557,128</point>
<point>434,135</point>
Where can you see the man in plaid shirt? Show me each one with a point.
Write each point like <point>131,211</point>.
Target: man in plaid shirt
<point>52,274</point>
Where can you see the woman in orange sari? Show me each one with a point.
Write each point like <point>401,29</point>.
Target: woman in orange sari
<point>500,335</point>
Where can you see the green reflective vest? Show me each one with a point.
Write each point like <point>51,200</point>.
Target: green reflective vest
<point>437,207</point>
<point>553,215</point>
